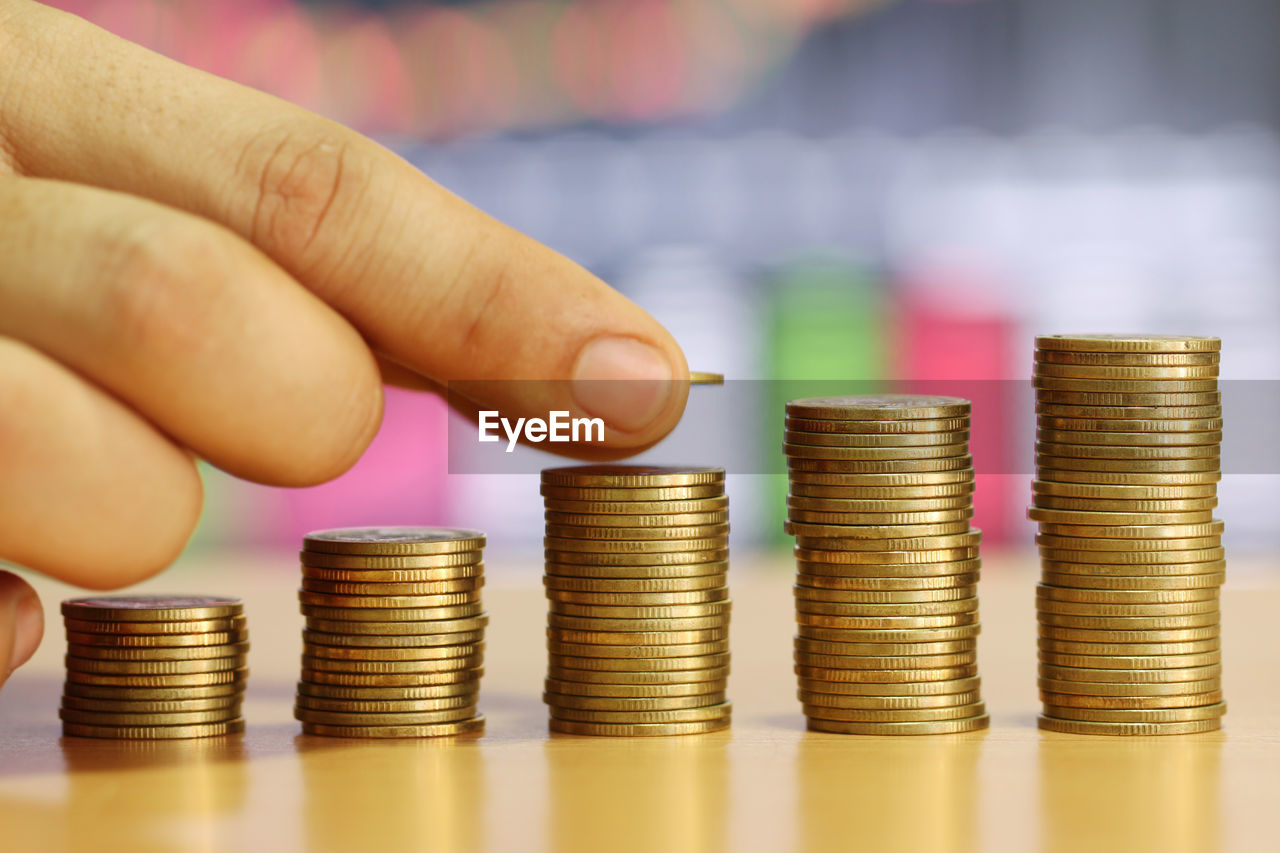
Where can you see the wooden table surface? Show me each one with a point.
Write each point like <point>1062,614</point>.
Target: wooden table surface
<point>764,785</point>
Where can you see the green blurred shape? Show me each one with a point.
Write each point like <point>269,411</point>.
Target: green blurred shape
<point>827,335</point>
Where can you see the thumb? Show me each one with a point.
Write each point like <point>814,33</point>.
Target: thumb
<point>21,623</point>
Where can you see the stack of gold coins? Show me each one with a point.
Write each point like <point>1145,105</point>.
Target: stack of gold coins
<point>394,641</point>
<point>887,564</point>
<point>638,629</point>
<point>153,667</point>
<point>1127,460</point>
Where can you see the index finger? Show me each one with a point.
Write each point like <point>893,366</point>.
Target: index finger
<point>429,280</point>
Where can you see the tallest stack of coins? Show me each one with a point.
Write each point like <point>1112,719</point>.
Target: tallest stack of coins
<point>886,564</point>
<point>638,629</point>
<point>1127,461</point>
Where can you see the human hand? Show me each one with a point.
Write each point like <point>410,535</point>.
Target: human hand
<point>195,269</point>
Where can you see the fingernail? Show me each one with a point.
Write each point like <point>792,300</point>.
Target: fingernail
<point>623,381</point>
<point>28,628</point>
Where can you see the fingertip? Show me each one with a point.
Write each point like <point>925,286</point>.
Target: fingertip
<point>25,620</point>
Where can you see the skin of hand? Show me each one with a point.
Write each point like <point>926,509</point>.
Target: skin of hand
<point>194,269</point>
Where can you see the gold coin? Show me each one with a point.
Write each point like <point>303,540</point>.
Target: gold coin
<point>140,680</point>
<point>890,689</point>
<point>626,495</point>
<point>1125,386</point>
<point>1132,661</point>
<point>392,667</point>
<point>880,596</point>
<point>674,611</point>
<point>631,586</point>
<point>155,706</point>
<point>701,690</point>
<point>633,520</point>
<point>620,704</point>
<point>821,620</point>
<point>1121,427</point>
<point>878,407</point>
<point>1129,623</point>
<point>885,676</point>
<point>601,676</point>
<point>1068,647</point>
<point>116,692</point>
<point>911,715</point>
<point>1111,519</point>
<point>428,588</point>
<point>587,572</point>
<point>572,727</point>
<point>153,732</point>
<point>629,539</point>
<point>1129,343</point>
<point>151,608</point>
<point>703,377</point>
<point>857,439</point>
<point>388,706</point>
<point>613,476</point>
<point>407,718</point>
<point>674,715</point>
<point>464,727</point>
<point>1116,570</point>
<point>1127,399</point>
<point>184,718</point>
<point>947,561</point>
<point>1095,504</point>
<point>419,628</point>
<point>902,426</point>
<point>881,650</point>
<point>1080,727</point>
<point>583,650</point>
<point>889,635</point>
<point>608,626</point>
<point>1129,676</point>
<point>1150,373</point>
<point>153,667</point>
<point>968,539</point>
<point>651,509</point>
<point>877,531</point>
<point>1185,478</point>
<point>1091,544</point>
<point>561,545</point>
<point>938,451</point>
<point>1128,596</point>
<point>1126,453</point>
<point>1155,688</point>
<point>885,703</point>
<point>1128,531</point>
<point>394,654</point>
<point>1186,635</point>
<point>408,679</point>
<point>393,541</point>
<point>649,665</point>
<point>1069,700</point>
<point>1128,413</point>
<point>1132,558</point>
<point>641,639</point>
<point>877,466</point>
<point>148,643</point>
<point>156,629</point>
<point>889,584</point>
<point>468,689</point>
<point>386,615</point>
<point>814,519</point>
<point>916,608</point>
<point>377,602</point>
<point>878,506</point>
<point>179,653</point>
<point>935,727</point>
<point>1172,359</point>
<point>463,564</point>
<point>473,575</point>
<point>894,493</point>
<point>1087,581</point>
<point>861,663</point>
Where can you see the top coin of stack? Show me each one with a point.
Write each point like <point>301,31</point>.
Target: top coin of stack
<point>153,667</point>
<point>1127,461</point>
<point>887,565</point>
<point>395,632</point>
<point>638,633</point>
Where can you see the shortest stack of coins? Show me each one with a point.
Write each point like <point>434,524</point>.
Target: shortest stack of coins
<point>638,629</point>
<point>394,639</point>
<point>154,667</point>
<point>1127,460</point>
<point>886,564</point>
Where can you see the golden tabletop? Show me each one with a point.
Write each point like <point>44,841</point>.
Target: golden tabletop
<point>765,784</point>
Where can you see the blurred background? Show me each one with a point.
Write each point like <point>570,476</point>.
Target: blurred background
<point>800,189</point>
